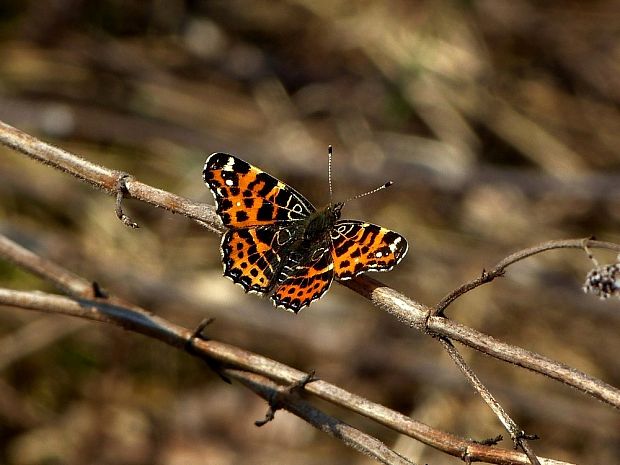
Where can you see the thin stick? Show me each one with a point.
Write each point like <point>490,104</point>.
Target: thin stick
<point>120,195</point>
<point>516,433</point>
<point>61,278</point>
<point>526,359</point>
<point>105,178</point>
<point>407,310</point>
<point>274,370</point>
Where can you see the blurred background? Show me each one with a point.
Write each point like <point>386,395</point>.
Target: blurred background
<point>499,122</point>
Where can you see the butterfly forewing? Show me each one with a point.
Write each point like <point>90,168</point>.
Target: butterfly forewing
<point>360,247</point>
<point>247,196</point>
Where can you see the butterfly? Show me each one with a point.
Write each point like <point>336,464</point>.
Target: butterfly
<point>278,244</point>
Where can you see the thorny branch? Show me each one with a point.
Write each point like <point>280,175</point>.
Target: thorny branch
<point>408,311</point>
<point>235,361</point>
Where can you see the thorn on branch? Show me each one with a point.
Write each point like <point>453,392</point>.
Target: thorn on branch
<point>490,441</point>
<point>189,348</point>
<point>98,292</point>
<point>121,191</point>
<point>275,403</point>
<point>488,276</point>
<point>200,328</point>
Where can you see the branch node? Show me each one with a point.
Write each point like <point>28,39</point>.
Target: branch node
<point>522,436</point>
<point>275,402</point>
<point>121,191</point>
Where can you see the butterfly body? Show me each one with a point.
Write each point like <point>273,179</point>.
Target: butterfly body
<point>320,223</point>
<point>278,244</point>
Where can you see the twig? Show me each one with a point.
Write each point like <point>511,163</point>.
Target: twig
<point>410,312</point>
<point>105,178</point>
<point>275,401</point>
<point>60,277</point>
<point>352,437</point>
<point>500,268</point>
<point>120,194</point>
<point>149,324</point>
<point>146,323</point>
<point>516,433</point>
<point>532,361</point>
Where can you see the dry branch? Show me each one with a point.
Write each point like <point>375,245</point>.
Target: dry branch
<point>112,310</point>
<point>406,310</point>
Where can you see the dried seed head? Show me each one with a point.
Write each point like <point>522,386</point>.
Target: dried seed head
<point>603,281</point>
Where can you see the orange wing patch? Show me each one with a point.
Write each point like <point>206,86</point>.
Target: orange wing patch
<point>360,247</point>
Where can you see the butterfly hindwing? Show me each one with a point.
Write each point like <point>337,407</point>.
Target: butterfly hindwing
<point>251,256</point>
<point>247,196</point>
<point>360,247</point>
<point>307,281</point>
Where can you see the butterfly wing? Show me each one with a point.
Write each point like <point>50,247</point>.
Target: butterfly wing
<point>305,281</point>
<point>248,197</point>
<point>360,247</point>
<point>250,256</point>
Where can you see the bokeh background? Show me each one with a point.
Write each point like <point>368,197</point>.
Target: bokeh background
<point>499,122</point>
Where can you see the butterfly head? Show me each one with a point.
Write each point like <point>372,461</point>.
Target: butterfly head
<point>334,210</point>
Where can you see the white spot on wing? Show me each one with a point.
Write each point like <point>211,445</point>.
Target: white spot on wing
<point>394,244</point>
<point>229,182</point>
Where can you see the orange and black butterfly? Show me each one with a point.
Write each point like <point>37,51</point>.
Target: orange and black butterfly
<point>278,244</point>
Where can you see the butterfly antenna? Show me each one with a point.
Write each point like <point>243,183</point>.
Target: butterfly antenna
<point>329,171</point>
<point>384,186</point>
